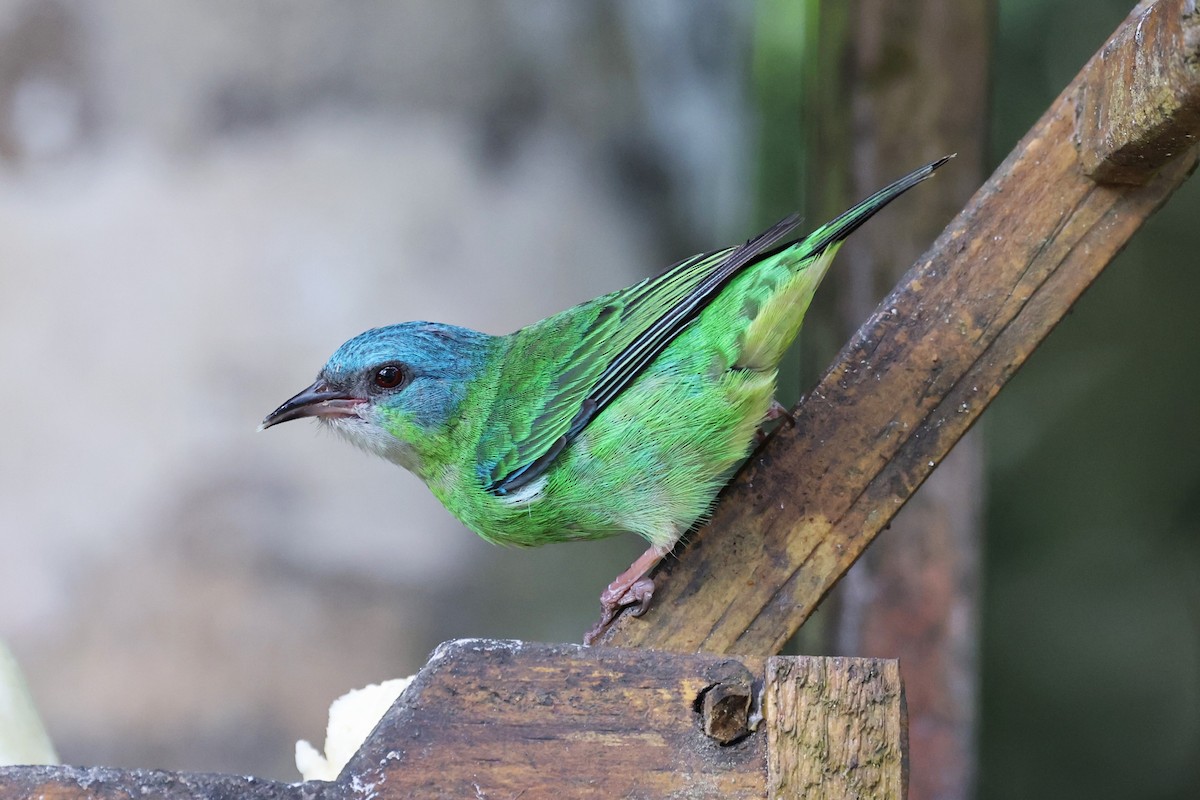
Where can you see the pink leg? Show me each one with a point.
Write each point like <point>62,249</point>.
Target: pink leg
<point>631,588</point>
<point>774,412</point>
<point>778,411</point>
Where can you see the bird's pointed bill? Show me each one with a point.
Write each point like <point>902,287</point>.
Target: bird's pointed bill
<point>318,400</point>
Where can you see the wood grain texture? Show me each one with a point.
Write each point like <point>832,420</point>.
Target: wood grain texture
<point>909,384</point>
<point>492,720</point>
<point>1139,100</point>
<point>835,729</point>
<point>508,719</point>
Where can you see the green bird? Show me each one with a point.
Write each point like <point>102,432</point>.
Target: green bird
<point>626,413</point>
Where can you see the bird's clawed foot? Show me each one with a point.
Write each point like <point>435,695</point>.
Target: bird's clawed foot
<point>778,411</point>
<point>633,588</point>
<point>774,412</point>
<point>635,596</point>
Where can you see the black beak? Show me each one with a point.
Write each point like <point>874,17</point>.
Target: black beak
<point>318,400</point>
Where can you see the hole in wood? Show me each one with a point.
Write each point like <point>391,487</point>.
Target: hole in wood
<point>725,711</point>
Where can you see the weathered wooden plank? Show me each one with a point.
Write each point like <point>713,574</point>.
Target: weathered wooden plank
<point>1139,98</point>
<point>913,379</point>
<point>836,728</point>
<point>499,719</point>
<point>508,719</point>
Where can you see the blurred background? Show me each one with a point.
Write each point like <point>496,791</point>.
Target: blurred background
<point>200,199</point>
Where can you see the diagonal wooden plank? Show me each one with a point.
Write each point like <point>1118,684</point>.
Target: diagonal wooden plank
<point>911,382</point>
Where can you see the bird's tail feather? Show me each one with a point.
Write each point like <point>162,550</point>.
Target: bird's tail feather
<point>848,221</point>
<point>777,320</point>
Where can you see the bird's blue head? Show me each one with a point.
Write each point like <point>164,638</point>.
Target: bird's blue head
<point>394,391</point>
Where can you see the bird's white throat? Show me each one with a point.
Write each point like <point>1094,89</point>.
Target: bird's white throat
<point>371,437</point>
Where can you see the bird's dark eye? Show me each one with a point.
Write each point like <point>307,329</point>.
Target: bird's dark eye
<point>389,376</point>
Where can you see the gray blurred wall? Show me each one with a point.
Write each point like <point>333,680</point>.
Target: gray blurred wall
<point>198,202</point>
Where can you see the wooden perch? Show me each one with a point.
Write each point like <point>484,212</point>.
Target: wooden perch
<point>496,720</point>
<point>920,371</point>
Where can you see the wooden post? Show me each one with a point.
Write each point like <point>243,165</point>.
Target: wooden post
<point>904,80</point>
<point>836,728</point>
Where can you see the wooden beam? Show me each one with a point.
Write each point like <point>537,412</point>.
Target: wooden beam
<point>500,719</point>
<point>1138,104</point>
<point>911,382</point>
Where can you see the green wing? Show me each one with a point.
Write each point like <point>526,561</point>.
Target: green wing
<point>563,371</point>
<point>559,374</point>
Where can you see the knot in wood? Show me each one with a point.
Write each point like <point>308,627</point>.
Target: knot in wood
<point>725,709</point>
